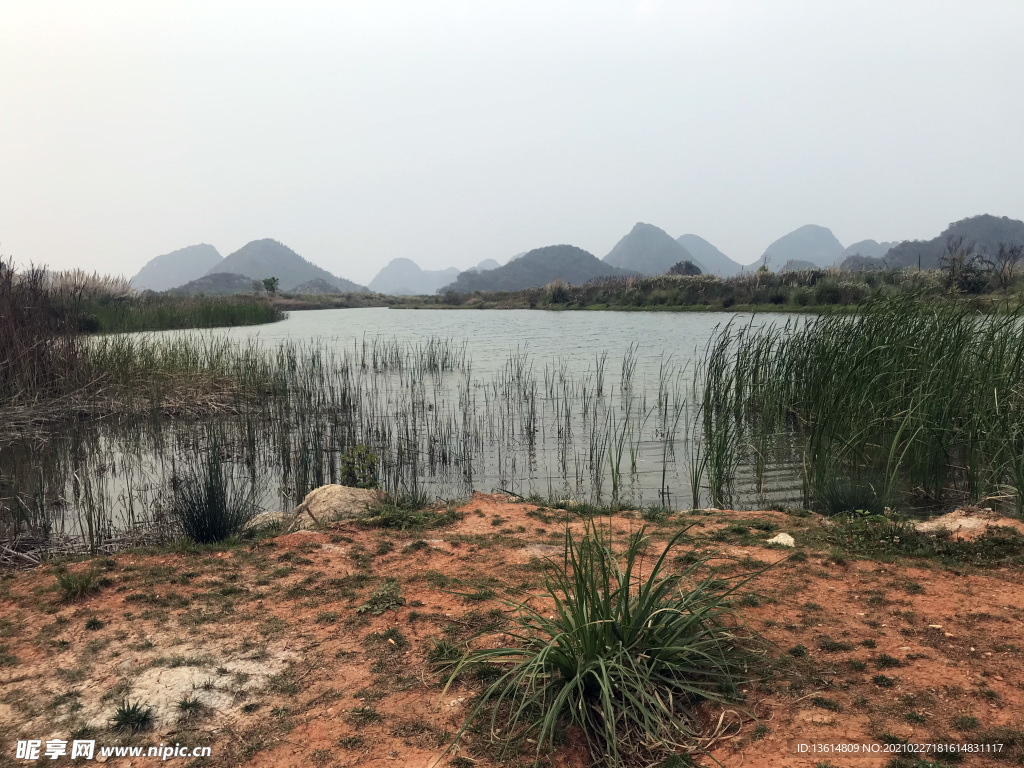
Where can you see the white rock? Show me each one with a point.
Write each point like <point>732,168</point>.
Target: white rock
<point>783,539</point>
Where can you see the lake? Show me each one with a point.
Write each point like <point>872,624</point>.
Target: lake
<point>594,406</point>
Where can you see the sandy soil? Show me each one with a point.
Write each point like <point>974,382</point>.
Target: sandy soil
<point>281,658</point>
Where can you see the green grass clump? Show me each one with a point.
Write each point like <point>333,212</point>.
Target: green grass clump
<point>74,585</point>
<point>627,659</point>
<point>387,597</point>
<point>157,312</point>
<point>443,653</point>
<point>829,645</point>
<point>407,512</point>
<point>132,717</point>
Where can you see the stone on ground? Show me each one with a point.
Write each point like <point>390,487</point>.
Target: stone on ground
<point>330,503</point>
<point>969,522</point>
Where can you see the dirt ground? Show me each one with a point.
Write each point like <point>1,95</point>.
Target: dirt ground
<point>311,649</point>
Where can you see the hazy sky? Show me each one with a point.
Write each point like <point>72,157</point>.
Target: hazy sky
<point>451,132</point>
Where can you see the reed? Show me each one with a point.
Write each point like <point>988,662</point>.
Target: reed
<point>905,401</point>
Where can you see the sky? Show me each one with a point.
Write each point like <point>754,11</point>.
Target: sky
<point>451,132</point>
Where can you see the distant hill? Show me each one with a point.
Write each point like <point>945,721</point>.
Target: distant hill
<point>487,264</point>
<point>981,234</point>
<point>218,284</point>
<point>269,258</point>
<point>708,257</point>
<point>404,277</point>
<point>870,248</point>
<point>647,250</point>
<point>536,268</point>
<point>173,269</point>
<point>808,243</point>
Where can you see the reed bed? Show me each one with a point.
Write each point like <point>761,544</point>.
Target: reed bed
<point>904,402</point>
<point>288,415</point>
<point>157,312</point>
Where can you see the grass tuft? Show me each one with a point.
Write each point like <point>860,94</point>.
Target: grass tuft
<point>628,659</point>
<point>75,585</point>
<point>132,717</point>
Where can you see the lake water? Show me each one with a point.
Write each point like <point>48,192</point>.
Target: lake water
<point>589,405</point>
<point>491,335</point>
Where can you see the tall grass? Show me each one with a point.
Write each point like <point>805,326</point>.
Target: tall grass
<point>905,401</point>
<point>159,312</point>
<point>626,653</point>
<point>44,355</point>
<point>40,351</point>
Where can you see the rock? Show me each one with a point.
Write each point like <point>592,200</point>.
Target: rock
<point>783,540</point>
<point>329,503</point>
<point>263,519</point>
<point>969,522</point>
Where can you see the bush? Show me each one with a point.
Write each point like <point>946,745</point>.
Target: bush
<point>627,659</point>
<point>209,504</point>
<point>359,467</point>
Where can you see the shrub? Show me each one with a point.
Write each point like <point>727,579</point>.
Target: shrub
<point>359,467</point>
<point>626,659</point>
<point>209,504</point>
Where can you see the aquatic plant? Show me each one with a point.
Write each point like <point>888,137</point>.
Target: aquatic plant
<point>903,401</point>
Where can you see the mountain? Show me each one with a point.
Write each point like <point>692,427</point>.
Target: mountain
<point>708,257</point>
<point>487,264</point>
<point>647,250</point>
<point>808,243</point>
<point>870,248</point>
<point>981,235</point>
<point>404,277</point>
<point>218,284</point>
<point>796,265</point>
<point>538,267</point>
<point>177,267</point>
<point>269,258</point>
